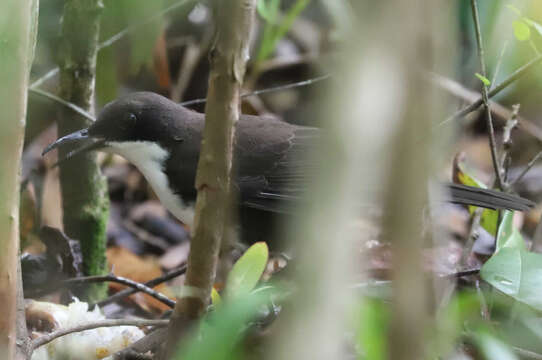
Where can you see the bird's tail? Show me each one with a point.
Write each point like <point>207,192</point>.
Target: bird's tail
<point>491,199</point>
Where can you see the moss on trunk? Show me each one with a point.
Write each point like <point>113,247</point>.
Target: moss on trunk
<point>84,190</point>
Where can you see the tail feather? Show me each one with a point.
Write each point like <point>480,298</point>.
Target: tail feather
<point>491,199</point>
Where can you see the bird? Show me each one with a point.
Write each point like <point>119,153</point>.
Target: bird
<point>163,140</point>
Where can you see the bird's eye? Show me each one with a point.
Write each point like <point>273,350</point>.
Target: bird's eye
<point>128,121</point>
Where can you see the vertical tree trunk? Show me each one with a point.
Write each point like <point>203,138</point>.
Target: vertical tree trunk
<point>84,190</point>
<point>15,57</point>
<point>234,24</point>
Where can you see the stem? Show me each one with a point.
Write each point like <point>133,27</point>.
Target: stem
<point>497,89</point>
<point>492,142</point>
<point>45,339</point>
<point>15,56</point>
<point>121,280</point>
<point>84,189</point>
<point>152,283</point>
<point>228,59</point>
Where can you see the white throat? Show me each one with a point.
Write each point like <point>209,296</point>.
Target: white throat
<point>149,158</point>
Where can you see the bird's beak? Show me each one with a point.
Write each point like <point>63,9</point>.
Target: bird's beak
<point>81,140</point>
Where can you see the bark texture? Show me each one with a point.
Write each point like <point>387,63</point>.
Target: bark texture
<point>15,57</point>
<point>228,57</point>
<point>84,190</point>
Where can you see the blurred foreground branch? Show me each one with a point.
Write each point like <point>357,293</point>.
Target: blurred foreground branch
<point>16,51</point>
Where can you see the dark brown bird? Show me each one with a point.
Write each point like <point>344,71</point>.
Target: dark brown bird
<point>162,139</point>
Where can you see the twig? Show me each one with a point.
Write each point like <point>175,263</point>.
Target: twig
<point>492,143</point>
<point>152,283</point>
<point>82,112</point>
<point>510,125</point>
<point>45,339</point>
<point>458,90</point>
<point>526,354</point>
<point>121,280</point>
<point>113,39</point>
<point>485,313</point>
<point>461,274</point>
<point>234,20</point>
<point>63,102</point>
<point>527,168</point>
<point>499,63</point>
<point>497,89</point>
<point>147,343</point>
<point>473,235</point>
<point>268,90</point>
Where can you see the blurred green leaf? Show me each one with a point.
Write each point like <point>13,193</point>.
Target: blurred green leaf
<point>372,339</point>
<point>508,236</point>
<point>246,272</point>
<point>121,14</point>
<point>273,29</point>
<point>290,17</point>
<point>489,217</point>
<point>521,30</point>
<point>222,330</point>
<point>268,10</point>
<point>517,273</point>
<point>216,299</point>
<point>483,79</point>
<point>494,348</point>
<point>106,76</point>
<point>537,26</point>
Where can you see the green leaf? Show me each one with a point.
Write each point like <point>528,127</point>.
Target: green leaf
<point>489,217</point>
<point>246,272</point>
<point>521,30</point>
<point>268,10</point>
<point>222,330</point>
<point>372,339</point>
<point>509,236</point>
<point>534,24</point>
<point>483,79</point>
<point>216,300</point>
<point>517,273</point>
<point>274,31</point>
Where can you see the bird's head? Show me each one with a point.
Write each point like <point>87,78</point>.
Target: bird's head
<point>141,117</point>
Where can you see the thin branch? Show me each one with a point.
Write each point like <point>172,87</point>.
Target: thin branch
<point>510,125</point>
<point>152,283</point>
<point>461,274</point>
<point>527,168</point>
<point>113,39</point>
<point>473,235</point>
<point>527,354</point>
<point>63,102</point>
<point>45,339</point>
<point>492,142</point>
<point>121,280</point>
<point>458,90</point>
<point>267,90</point>
<point>497,89</point>
<point>82,112</point>
<point>499,63</point>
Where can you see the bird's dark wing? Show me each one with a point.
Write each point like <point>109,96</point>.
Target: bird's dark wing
<point>272,171</point>
<point>282,177</point>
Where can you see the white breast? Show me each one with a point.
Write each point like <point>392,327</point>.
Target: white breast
<point>149,158</point>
